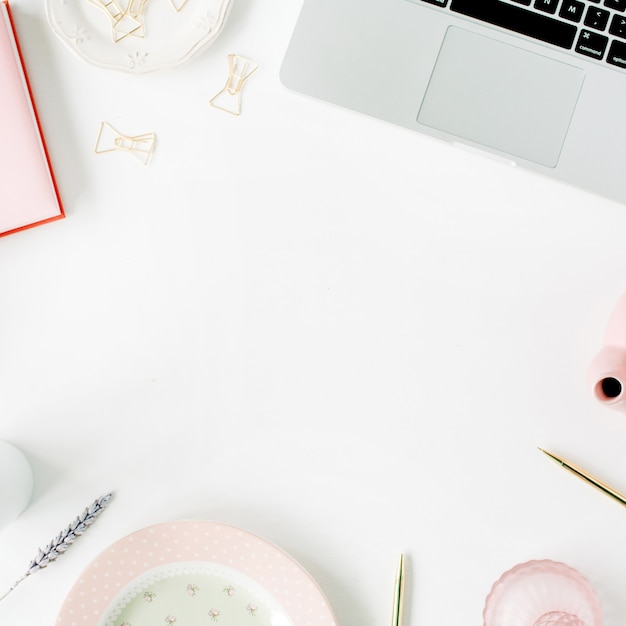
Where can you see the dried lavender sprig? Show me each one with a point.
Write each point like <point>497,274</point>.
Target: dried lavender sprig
<point>64,539</point>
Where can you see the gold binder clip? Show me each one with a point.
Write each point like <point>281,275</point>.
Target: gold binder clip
<point>139,146</point>
<point>229,98</point>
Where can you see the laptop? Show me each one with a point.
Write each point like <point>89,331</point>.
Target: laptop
<point>537,83</point>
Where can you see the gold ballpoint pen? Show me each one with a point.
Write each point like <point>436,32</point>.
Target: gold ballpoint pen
<point>398,594</point>
<point>592,480</point>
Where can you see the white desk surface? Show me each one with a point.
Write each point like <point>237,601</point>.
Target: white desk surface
<point>337,334</point>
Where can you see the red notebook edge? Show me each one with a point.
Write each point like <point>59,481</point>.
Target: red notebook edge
<point>39,130</point>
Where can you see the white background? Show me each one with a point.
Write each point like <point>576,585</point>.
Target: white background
<point>337,334</point>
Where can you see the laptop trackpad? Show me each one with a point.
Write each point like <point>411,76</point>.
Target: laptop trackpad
<point>501,96</point>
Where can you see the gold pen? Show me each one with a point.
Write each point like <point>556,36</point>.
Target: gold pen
<point>587,477</point>
<point>398,594</point>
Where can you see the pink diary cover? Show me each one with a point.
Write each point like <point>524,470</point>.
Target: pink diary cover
<point>28,192</point>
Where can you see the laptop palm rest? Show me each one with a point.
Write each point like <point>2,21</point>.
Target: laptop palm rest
<point>524,113</point>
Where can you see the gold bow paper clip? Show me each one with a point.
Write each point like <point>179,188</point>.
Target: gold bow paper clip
<point>135,10</point>
<point>140,146</point>
<point>126,22</point>
<point>229,98</point>
<point>178,5</point>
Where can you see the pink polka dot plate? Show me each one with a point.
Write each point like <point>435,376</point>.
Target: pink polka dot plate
<point>194,573</point>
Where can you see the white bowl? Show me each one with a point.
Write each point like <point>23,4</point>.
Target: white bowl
<point>167,37</point>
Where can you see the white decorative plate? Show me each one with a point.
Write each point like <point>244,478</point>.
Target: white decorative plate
<point>162,33</point>
<point>194,573</point>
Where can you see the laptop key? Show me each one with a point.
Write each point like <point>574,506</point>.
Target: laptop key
<point>619,5</point>
<point>547,6</point>
<point>518,20</point>
<point>597,18</point>
<point>618,26</point>
<point>439,3</point>
<point>617,54</point>
<point>572,10</point>
<point>591,44</point>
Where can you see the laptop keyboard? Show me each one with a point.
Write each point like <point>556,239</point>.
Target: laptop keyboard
<point>592,28</point>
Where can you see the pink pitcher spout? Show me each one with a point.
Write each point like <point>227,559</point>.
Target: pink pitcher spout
<point>607,370</point>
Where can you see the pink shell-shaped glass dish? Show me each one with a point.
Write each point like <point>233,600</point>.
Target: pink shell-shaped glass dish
<point>542,593</point>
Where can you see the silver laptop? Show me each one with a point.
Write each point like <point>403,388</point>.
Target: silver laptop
<point>539,83</point>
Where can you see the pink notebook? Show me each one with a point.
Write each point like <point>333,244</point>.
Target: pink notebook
<point>28,192</point>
